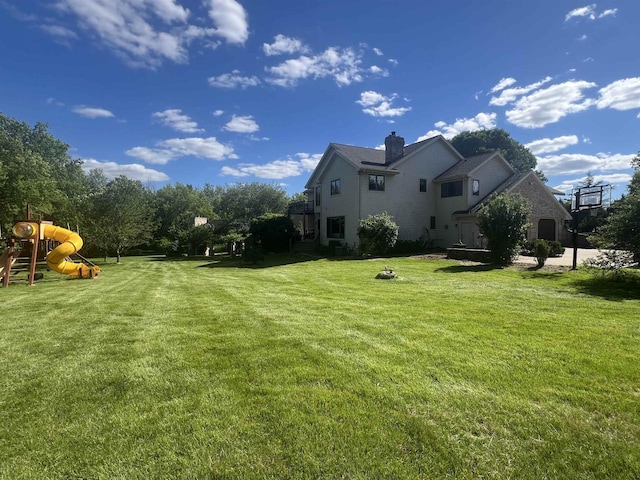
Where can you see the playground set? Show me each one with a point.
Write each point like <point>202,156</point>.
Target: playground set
<point>35,240</point>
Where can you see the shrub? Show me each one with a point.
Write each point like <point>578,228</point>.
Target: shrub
<point>272,232</point>
<point>504,221</point>
<point>612,264</point>
<point>541,251</point>
<point>556,249</point>
<point>377,233</point>
<point>253,255</point>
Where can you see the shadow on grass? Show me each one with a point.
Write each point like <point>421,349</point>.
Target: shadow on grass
<point>274,260</point>
<point>609,289</point>
<point>480,267</point>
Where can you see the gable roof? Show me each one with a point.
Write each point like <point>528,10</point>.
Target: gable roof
<point>512,182</point>
<point>469,165</point>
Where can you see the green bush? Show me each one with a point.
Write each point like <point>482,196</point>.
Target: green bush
<point>272,232</point>
<point>503,220</point>
<point>541,251</point>
<point>377,233</point>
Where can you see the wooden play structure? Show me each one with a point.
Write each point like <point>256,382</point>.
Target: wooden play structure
<point>35,240</point>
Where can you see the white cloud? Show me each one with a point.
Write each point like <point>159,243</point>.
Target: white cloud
<point>509,95</point>
<point>582,38</point>
<point>577,163</point>
<point>309,161</point>
<point>218,113</point>
<point>145,33</point>
<point>550,145</point>
<point>230,19</point>
<point>92,112</point>
<point>242,124</point>
<point>282,44</point>
<point>173,118</point>
<point>589,11</point>
<point>621,95</point>
<point>393,61</point>
<point>174,148</point>
<point>233,80</point>
<point>343,65</point>
<point>377,51</point>
<point>376,70</point>
<point>481,121</point>
<point>550,104</point>
<point>61,33</point>
<point>608,13</point>
<point>134,171</point>
<point>157,156</point>
<point>378,105</point>
<point>502,84</point>
<point>277,169</point>
<point>615,178</point>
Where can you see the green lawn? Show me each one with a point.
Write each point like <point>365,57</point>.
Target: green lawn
<point>313,369</point>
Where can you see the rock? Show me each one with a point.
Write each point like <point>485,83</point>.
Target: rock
<point>386,275</point>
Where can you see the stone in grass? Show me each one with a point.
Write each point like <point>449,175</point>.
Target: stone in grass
<point>386,274</point>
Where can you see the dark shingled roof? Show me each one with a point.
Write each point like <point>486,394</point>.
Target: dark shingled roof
<point>361,155</point>
<point>467,165</point>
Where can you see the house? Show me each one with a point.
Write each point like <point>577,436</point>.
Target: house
<point>431,191</point>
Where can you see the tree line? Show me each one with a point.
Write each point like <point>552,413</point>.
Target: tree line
<point>114,215</point>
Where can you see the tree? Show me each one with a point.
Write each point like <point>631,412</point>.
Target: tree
<point>178,205</point>
<point>35,168</point>
<point>621,229</point>
<point>377,233</point>
<point>272,232</point>
<point>121,216</point>
<point>242,202</point>
<point>496,139</point>
<point>504,221</point>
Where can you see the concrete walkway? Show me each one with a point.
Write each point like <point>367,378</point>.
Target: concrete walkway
<point>565,260</point>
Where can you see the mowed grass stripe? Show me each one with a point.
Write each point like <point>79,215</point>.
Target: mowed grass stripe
<point>311,369</point>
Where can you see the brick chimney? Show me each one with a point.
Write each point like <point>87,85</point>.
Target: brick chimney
<point>393,147</point>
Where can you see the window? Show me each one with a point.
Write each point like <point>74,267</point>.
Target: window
<point>376,182</point>
<point>318,196</point>
<point>451,189</point>
<point>335,186</point>
<point>335,227</point>
<point>432,223</point>
<point>423,184</point>
<point>475,189</point>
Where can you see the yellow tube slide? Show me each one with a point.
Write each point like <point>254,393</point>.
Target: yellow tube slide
<point>70,243</point>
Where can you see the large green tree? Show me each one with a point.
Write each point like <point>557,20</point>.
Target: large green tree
<point>503,220</point>
<point>621,229</point>
<point>35,168</point>
<point>496,139</point>
<point>242,202</point>
<point>121,216</point>
<point>178,205</point>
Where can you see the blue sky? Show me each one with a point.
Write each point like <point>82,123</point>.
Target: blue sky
<point>223,91</point>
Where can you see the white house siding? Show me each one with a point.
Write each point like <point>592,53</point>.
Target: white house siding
<point>402,199</point>
<point>491,174</point>
<point>345,204</point>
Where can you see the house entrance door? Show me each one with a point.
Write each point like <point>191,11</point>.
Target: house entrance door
<point>547,229</point>
<point>467,234</point>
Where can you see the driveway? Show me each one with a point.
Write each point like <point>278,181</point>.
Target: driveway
<point>565,260</point>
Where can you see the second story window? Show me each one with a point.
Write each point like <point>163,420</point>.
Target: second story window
<point>423,184</point>
<point>475,187</point>
<point>376,182</point>
<point>335,186</point>
<point>318,196</point>
<point>451,189</point>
